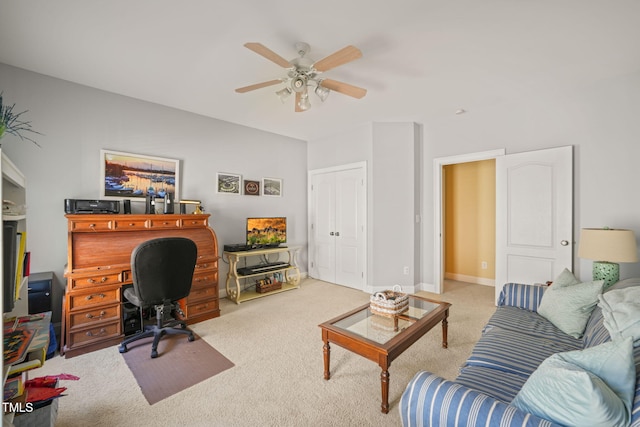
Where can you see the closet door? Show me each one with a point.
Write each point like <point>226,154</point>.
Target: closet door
<point>337,227</point>
<point>349,228</point>
<point>323,228</point>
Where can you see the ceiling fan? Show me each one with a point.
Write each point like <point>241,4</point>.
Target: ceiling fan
<point>304,73</point>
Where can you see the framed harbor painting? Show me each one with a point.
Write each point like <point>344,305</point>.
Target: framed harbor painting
<point>136,176</point>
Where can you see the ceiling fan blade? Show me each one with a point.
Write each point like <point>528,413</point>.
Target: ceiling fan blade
<point>344,88</point>
<point>268,53</point>
<point>347,54</point>
<point>298,96</point>
<point>258,86</point>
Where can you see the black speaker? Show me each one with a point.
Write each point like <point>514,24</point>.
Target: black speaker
<point>168,203</point>
<point>150,205</point>
<point>127,206</point>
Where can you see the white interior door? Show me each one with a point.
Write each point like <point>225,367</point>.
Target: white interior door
<point>337,214</point>
<point>323,227</point>
<point>534,216</point>
<point>349,231</point>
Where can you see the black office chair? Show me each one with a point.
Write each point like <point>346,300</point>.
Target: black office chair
<point>162,272</point>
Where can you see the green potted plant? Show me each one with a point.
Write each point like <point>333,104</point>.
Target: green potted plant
<point>11,123</point>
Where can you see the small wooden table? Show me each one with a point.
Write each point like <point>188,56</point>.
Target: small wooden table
<point>376,337</point>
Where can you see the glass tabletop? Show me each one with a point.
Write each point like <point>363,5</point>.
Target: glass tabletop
<point>381,329</point>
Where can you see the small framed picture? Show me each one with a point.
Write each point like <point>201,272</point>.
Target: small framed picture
<point>272,187</point>
<point>251,188</point>
<point>229,183</point>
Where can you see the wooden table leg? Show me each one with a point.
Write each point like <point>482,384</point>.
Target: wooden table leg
<point>384,382</point>
<point>445,325</point>
<point>326,350</point>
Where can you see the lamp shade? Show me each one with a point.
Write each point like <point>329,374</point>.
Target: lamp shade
<point>604,244</point>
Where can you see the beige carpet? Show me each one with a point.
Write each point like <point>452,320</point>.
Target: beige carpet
<point>276,345</point>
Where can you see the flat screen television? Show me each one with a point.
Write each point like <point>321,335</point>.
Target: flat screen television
<point>266,231</point>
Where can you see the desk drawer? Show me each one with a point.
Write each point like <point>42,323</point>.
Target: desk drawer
<point>94,315</point>
<point>95,334</point>
<point>91,225</point>
<point>194,222</point>
<point>202,293</point>
<point>110,296</point>
<point>131,224</point>
<point>198,309</point>
<point>204,278</point>
<point>204,263</point>
<point>99,280</point>
<point>164,223</point>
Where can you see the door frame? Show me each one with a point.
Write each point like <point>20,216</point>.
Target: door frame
<point>438,181</point>
<point>365,209</point>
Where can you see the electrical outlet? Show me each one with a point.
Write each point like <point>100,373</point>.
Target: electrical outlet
<point>405,270</point>
<point>484,265</point>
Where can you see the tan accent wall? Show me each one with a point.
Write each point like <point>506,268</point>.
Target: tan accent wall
<point>469,218</point>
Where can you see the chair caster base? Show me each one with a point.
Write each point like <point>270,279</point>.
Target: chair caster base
<point>191,337</point>
<point>154,354</point>
<point>122,348</point>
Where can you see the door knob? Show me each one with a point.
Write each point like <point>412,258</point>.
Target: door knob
<point>331,233</point>
<point>564,243</point>
<point>337,233</point>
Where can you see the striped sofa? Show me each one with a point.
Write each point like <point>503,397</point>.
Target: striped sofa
<point>514,342</point>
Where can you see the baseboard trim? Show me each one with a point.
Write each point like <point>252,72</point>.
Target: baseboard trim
<point>470,279</point>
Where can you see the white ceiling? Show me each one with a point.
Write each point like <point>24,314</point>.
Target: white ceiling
<point>420,57</point>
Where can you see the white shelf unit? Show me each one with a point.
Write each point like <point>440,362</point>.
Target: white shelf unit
<point>14,188</point>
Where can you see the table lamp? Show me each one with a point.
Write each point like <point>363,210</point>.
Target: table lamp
<point>607,247</point>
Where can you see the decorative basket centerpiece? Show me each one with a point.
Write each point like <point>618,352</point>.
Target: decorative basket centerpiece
<point>389,303</point>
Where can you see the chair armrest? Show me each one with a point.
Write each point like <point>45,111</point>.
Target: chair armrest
<point>430,400</point>
<point>523,296</point>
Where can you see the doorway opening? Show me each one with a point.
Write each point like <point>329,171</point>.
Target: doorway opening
<point>469,222</point>
<point>439,208</point>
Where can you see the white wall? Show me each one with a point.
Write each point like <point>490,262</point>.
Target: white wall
<point>78,121</point>
<point>601,121</point>
<point>393,179</point>
<point>392,195</point>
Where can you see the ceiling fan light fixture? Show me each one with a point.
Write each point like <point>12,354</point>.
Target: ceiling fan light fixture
<point>304,103</point>
<point>284,94</point>
<point>322,92</point>
<point>299,84</point>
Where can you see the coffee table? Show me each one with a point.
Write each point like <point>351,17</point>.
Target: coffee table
<point>382,339</point>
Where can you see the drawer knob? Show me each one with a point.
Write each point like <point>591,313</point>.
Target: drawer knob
<point>91,280</point>
<point>92,225</point>
<point>102,332</point>
<point>90,297</point>
<point>91,316</point>
<point>131,224</point>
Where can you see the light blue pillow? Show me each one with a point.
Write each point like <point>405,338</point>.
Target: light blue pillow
<point>591,387</point>
<point>566,278</point>
<point>569,307</point>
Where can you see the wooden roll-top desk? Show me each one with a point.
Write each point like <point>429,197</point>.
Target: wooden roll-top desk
<point>99,266</point>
